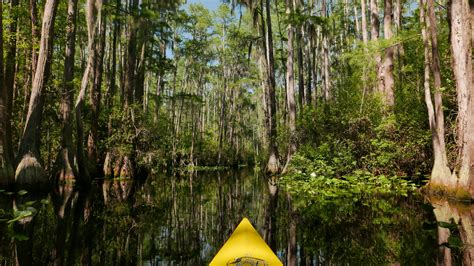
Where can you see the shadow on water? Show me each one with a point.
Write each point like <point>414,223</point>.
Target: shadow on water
<point>184,218</point>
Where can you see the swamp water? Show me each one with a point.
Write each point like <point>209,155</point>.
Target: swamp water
<point>185,219</point>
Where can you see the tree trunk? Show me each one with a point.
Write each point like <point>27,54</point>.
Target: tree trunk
<point>374,11</point>
<point>222,118</point>
<point>365,40</point>
<point>364,22</point>
<point>140,70</point>
<point>113,69</point>
<point>6,168</point>
<point>9,77</point>
<point>440,173</point>
<point>110,94</point>
<point>299,40</point>
<point>93,9</point>
<point>159,86</point>
<point>290,89</point>
<point>65,160</point>
<point>30,170</point>
<point>461,42</point>
<point>129,84</point>
<point>273,164</point>
<point>95,94</point>
<point>397,16</point>
<point>309,69</point>
<point>357,25</point>
<point>327,78</point>
<point>34,37</point>
<point>387,68</point>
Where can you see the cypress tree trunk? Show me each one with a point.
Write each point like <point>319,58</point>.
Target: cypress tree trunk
<point>299,40</point>
<point>131,59</point>
<point>375,23</point>
<point>64,162</point>
<point>387,71</point>
<point>461,45</point>
<point>365,38</point>
<point>440,174</point>
<point>30,170</point>
<point>273,164</point>
<point>9,77</point>
<point>111,89</point>
<point>6,168</point>
<point>325,47</point>
<point>290,88</point>
<point>93,8</point>
<point>95,95</point>
<point>35,35</point>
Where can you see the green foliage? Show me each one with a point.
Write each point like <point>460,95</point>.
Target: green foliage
<point>353,215</point>
<point>323,177</point>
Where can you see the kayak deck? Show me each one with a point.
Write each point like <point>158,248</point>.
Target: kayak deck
<point>245,247</point>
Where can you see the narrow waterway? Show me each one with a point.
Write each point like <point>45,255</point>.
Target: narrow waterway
<point>184,219</point>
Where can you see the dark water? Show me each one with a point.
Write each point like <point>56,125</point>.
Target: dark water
<point>184,219</point>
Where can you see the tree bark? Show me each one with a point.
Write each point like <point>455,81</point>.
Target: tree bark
<point>309,69</point>
<point>93,8</point>
<point>326,74</point>
<point>30,170</point>
<point>461,46</point>
<point>356,19</point>
<point>129,83</point>
<point>110,93</point>
<point>6,168</point>
<point>273,164</point>
<point>140,69</point>
<point>34,37</point>
<point>440,174</point>
<point>159,86</point>
<point>299,40</point>
<point>374,11</point>
<point>397,16</point>
<point>9,77</point>
<point>65,166</point>
<point>95,94</point>
<point>111,89</point>
<point>387,68</point>
<point>363,13</point>
<point>290,89</point>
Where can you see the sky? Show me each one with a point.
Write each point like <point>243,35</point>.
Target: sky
<point>209,4</point>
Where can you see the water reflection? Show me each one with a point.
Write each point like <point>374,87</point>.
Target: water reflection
<point>178,220</point>
<point>455,232</point>
<point>183,219</point>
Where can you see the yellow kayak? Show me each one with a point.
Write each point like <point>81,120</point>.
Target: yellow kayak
<point>245,247</point>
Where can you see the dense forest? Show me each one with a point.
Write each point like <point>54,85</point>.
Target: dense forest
<point>333,101</point>
<point>124,88</point>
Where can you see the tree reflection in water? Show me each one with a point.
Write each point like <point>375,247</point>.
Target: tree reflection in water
<point>455,222</point>
<point>178,220</point>
<point>183,219</point>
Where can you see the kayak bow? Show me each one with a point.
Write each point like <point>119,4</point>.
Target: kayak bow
<point>245,247</point>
